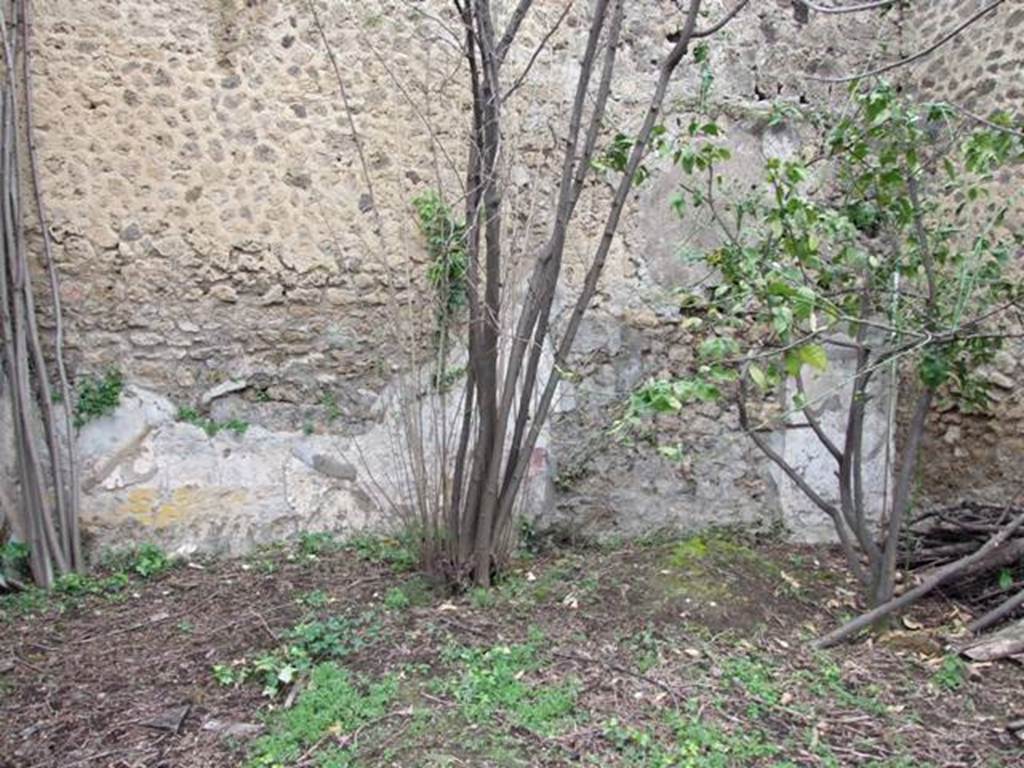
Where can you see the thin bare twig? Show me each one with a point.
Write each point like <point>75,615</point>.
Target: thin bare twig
<point>870,6</point>
<point>349,114</point>
<point>986,122</point>
<point>537,51</point>
<point>718,25</point>
<point>914,57</point>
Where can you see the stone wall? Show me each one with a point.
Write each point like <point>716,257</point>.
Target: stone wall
<point>213,226</point>
<point>977,455</point>
<point>206,187</point>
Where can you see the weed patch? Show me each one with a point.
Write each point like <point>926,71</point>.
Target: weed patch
<point>495,681</point>
<point>332,705</point>
<point>97,396</point>
<point>211,426</point>
<point>398,553</point>
<point>116,573</point>
<point>315,544</point>
<point>305,645</point>
<point>757,679</point>
<point>690,743</point>
<point>951,674</point>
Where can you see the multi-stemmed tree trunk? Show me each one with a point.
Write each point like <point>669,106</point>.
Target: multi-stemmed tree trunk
<point>508,396</point>
<point>45,502</point>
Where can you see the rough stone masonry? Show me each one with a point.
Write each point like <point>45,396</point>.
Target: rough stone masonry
<point>215,237</point>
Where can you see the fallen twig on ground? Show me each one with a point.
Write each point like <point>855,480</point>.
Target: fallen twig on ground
<point>940,577</point>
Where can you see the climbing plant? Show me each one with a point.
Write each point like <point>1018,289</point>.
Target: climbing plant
<point>446,272</point>
<point>888,244</point>
<point>446,246</point>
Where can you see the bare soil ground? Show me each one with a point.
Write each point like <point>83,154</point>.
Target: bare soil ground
<point>673,653</point>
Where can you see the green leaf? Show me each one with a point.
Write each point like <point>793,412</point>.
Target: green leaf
<point>793,363</point>
<point>717,348</point>
<point>758,377</point>
<point>934,370</point>
<point>782,320</point>
<point>1005,579</point>
<point>813,355</point>
<point>672,452</point>
<point>804,301</point>
<point>678,203</point>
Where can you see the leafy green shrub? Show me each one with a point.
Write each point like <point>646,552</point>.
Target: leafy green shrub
<point>332,410</point>
<point>150,560</point>
<point>97,397</point>
<point>227,675</point>
<point>313,544</point>
<point>13,562</point>
<point>144,560</point>
<point>396,600</point>
<point>694,743</point>
<point>482,598</point>
<point>755,677</point>
<point>315,598</point>
<point>77,585</point>
<point>24,602</point>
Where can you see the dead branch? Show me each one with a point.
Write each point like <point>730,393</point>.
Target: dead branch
<point>1007,642</point>
<point>997,614</point>
<point>941,577</point>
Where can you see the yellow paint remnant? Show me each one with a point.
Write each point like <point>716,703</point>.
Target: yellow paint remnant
<point>139,504</point>
<point>184,503</point>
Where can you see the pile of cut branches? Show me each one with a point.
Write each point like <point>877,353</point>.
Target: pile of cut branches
<point>992,586</point>
<point>945,535</point>
<point>974,553</point>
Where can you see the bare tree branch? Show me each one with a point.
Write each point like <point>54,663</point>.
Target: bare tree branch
<point>640,147</point>
<point>538,50</point>
<point>986,122</point>
<point>349,114</point>
<point>815,424</point>
<point>848,8</point>
<point>518,16</point>
<point>790,471</point>
<point>917,56</point>
<point>718,25</point>
<point>997,614</point>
